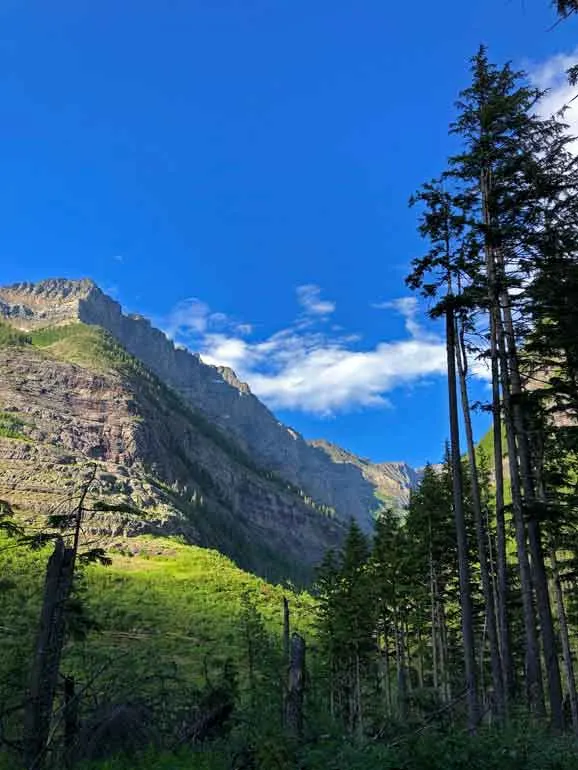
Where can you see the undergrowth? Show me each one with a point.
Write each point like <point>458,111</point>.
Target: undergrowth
<point>517,748</point>
<point>158,619</point>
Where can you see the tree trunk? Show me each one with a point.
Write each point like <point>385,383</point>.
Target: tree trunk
<point>295,687</point>
<point>434,641</point>
<point>420,664</point>
<point>481,534</point>
<point>406,650</point>
<point>461,536</point>
<point>539,575</point>
<point>444,654</point>
<point>358,699</point>
<point>46,663</point>
<point>387,669</point>
<point>400,667</point>
<point>566,648</point>
<point>286,629</point>
<point>494,313</point>
<point>286,641</point>
<point>501,556</point>
<point>534,688</point>
<point>70,719</point>
<point>331,690</point>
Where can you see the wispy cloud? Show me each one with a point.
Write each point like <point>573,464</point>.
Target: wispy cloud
<point>308,366</point>
<point>550,75</point>
<point>309,297</point>
<point>408,308</point>
<point>189,317</point>
<point>192,319</point>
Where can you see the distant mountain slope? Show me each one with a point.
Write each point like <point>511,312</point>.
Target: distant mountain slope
<point>350,485</point>
<point>390,483</point>
<point>70,394</point>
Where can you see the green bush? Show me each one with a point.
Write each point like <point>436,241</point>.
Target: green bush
<point>10,337</point>
<point>208,760</point>
<point>518,748</point>
<point>11,426</point>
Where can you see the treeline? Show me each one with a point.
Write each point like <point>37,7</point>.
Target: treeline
<point>471,597</point>
<point>501,269</point>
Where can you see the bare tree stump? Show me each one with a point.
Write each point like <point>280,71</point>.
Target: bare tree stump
<point>46,663</point>
<point>295,687</point>
<point>286,628</point>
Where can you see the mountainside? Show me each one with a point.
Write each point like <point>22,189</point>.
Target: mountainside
<point>391,483</point>
<point>70,394</point>
<point>329,475</point>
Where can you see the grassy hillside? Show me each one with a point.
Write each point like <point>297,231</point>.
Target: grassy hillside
<point>77,343</point>
<point>88,346</point>
<point>165,621</point>
<point>162,622</point>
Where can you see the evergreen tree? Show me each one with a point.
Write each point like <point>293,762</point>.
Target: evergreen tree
<point>430,534</point>
<point>503,232</point>
<point>442,224</point>
<point>393,593</point>
<point>347,625</point>
<point>503,171</point>
<point>566,8</point>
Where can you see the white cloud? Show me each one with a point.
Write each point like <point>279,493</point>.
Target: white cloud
<point>550,75</point>
<point>408,308</point>
<point>309,297</point>
<point>331,378</point>
<point>193,319</point>
<point>308,368</point>
<point>218,319</point>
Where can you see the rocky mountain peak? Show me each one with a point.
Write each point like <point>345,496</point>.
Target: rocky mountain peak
<point>52,288</point>
<point>46,303</point>
<point>352,486</point>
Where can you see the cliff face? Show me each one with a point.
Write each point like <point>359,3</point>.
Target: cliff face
<point>353,487</point>
<point>391,482</point>
<point>151,452</point>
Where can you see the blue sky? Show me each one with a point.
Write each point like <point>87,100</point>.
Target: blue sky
<point>239,170</point>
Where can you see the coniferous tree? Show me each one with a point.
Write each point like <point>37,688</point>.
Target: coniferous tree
<point>505,229</point>
<point>479,519</point>
<point>501,168</point>
<point>347,625</point>
<point>443,227</point>
<point>388,569</point>
<point>430,530</point>
<point>566,8</point>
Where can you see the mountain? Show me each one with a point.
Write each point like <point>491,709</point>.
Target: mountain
<point>71,323</point>
<point>70,394</point>
<point>389,483</point>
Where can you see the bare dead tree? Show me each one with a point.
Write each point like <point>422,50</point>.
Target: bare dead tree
<point>295,687</point>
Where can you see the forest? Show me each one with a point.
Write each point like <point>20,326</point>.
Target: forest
<point>447,639</point>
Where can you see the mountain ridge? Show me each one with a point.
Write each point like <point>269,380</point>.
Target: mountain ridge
<point>332,476</point>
